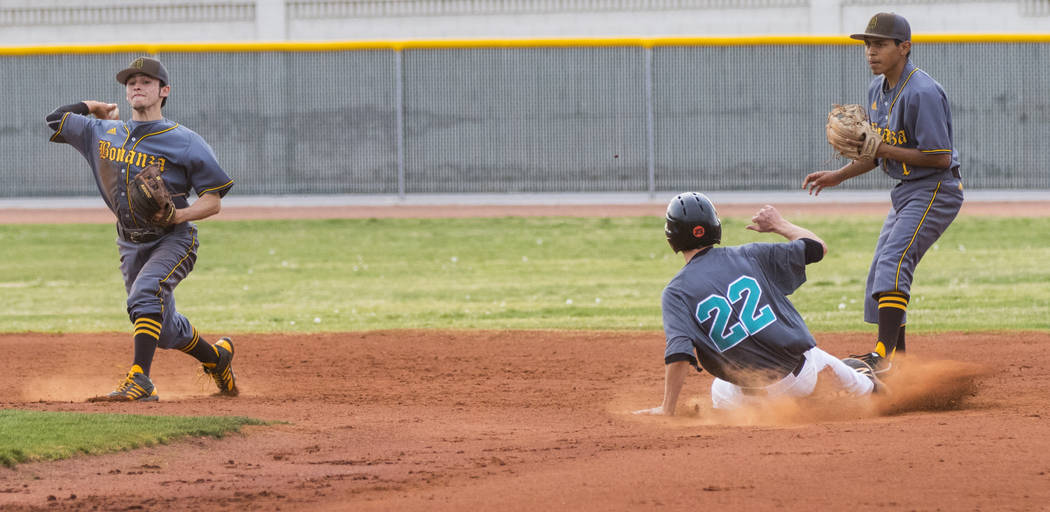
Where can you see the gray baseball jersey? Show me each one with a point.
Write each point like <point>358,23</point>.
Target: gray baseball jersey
<point>913,114</point>
<point>116,151</point>
<point>730,306</point>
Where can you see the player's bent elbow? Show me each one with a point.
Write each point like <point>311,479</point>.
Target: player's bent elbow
<point>816,249</point>
<point>53,120</point>
<point>212,211</point>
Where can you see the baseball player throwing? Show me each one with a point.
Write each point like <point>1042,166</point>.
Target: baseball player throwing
<point>157,250</point>
<point>909,113</point>
<point>727,312</point>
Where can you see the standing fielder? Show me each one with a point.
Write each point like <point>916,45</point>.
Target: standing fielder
<point>153,260</point>
<point>727,312</point>
<point>909,110</point>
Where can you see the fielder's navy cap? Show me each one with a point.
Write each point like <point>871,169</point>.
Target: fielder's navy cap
<point>147,66</point>
<point>886,25</point>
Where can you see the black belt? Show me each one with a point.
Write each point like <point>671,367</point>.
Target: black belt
<point>798,367</point>
<point>762,391</point>
<point>141,235</point>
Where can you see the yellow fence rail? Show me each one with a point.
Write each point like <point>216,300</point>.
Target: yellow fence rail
<point>334,46</point>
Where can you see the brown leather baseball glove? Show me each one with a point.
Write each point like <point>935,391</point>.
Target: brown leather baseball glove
<point>850,132</point>
<point>150,199</point>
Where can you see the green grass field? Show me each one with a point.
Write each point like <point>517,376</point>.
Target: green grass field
<point>37,436</point>
<point>507,273</point>
<point>504,273</point>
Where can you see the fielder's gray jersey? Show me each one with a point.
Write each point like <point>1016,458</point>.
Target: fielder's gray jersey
<point>730,305</point>
<point>913,114</point>
<point>117,151</point>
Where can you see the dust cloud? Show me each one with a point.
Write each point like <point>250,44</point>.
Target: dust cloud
<point>914,385</point>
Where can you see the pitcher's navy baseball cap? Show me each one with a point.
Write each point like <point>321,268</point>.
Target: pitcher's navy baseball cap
<point>886,25</point>
<point>147,66</point>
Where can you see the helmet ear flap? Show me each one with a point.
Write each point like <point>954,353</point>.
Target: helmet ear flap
<point>673,234</point>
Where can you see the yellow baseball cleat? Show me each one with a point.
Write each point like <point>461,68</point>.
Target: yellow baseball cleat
<point>136,387</point>
<point>222,371</point>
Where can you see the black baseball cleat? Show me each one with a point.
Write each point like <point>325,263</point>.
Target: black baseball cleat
<point>858,365</point>
<point>878,364</point>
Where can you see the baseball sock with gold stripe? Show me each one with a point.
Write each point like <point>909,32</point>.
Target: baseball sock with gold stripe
<point>200,349</point>
<point>892,307</point>
<point>147,333</point>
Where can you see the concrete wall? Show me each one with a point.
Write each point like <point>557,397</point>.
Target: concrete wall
<point>30,22</point>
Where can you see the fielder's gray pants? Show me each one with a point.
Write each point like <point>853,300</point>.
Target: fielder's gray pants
<point>921,212</point>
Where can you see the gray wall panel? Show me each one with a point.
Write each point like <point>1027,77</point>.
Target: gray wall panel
<point>1000,110</point>
<point>293,122</point>
<point>34,86</point>
<point>750,117</point>
<point>565,119</point>
<point>541,120</point>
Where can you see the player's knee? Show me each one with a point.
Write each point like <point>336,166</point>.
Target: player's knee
<point>144,303</point>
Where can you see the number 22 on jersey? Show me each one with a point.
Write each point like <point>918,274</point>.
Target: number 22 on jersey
<point>720,309</point>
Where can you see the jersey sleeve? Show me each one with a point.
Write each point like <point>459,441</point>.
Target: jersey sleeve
<point>677,316</point>
<point>929,114</point>
<point>784,264</point>
<point>75,130</point>
<point>206,176</point>
<point>873,95</point>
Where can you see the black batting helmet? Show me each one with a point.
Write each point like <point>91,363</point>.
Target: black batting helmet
<point>692,222</point>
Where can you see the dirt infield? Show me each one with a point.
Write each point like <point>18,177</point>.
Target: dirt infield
<point>440,420</point>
